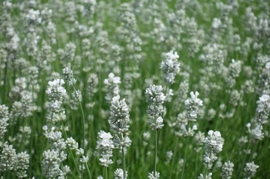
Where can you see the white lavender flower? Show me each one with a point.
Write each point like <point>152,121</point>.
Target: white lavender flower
<point>227,169</point>
<point>105,147</point>
<point>235,68</point>
<point>256,132</point>
<point>154,175</point>
<point>72,144</point>
<point>192,106</point>
<point>55,138</point>
<point>51,164</point>
<point>214,55</point>
<point>18,88</point>
<point>170,67</point>
<point>182,93</point>
<point>21,164</point>
<point>235,98</point>
<point>263,109</point>
<point>76,99</point>
<point>3,58</point>
<point>92,83</point>
<point>155,97</point>
<point>31,43</point>
<point>23,108</point>
<point>69,53</point>
<point>207,176</point>
<point>213,145</point>
<point>68,76</point>
<point>57,95</point>
<point>33,75</point>
<point>119,115</point>
<point>33,16</point>
<point>169,155</point>
<point>121,141</point>
<point>169,95</point>
<point>55,90</point>
<point>119,121</point>
<point>10,161</point>
<point>186,128</point>
<point>4,117</point>
<point>199,138</point>
<point>7,156</point>
<point>146,137</point>
<point>112,86</point>
<point>119,174</point>
<point>44,56</point>
<point>250,170</point>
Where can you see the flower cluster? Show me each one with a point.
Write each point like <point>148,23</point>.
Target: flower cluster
<point>193,105</point>
<point>255,128</point>
<point>68,76</point>
<point>119,174</point>
<point>155,97</point>
<point>112,86</point>
<point>57,95</point>
<point>51,164</point>
<point>213,145</point>
<point>12,161</point>
<point>105,147</point>
<point>119,121</point>
<point>74,146</point>
<point>154,175</point>
<point>227,169</point>
<point>207,176</point>
<point>119,115</point>
<point>232,72</point>
<point>56,91</point>
<point>4,117</point>
<point>55,156</point>
<point>263,109</point>
<point>250,170</point>
<point>170,67</point>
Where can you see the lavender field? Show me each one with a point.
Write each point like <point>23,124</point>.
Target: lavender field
<point>118,89</point>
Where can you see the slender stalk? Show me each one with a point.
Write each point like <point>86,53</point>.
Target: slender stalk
<point>83,128</point>
<point>174,155</point>
<point>88,171</point>
<point>5,84</point>
<point>185,160</point>
<point>124,161</point>
<point>245,158</point>
<point>196,164</point>
<point>83,118</point>
<point>155,160</point>
<point>73,158</point>
<point>106,173</point>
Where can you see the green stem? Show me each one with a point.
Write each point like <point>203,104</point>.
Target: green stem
<point>83,118</point>
<point>185,160</point>
<point>73,158</point>
<point>5,81</point>
<point>155,165</point>
<point>88,171</point>
<point>106,173</point>
<point>196,163</point>
<point>174,155</point>
<point>124,161</point>
<point>246,157</point>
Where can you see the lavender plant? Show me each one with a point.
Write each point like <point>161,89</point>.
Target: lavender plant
<point>57,57</point>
